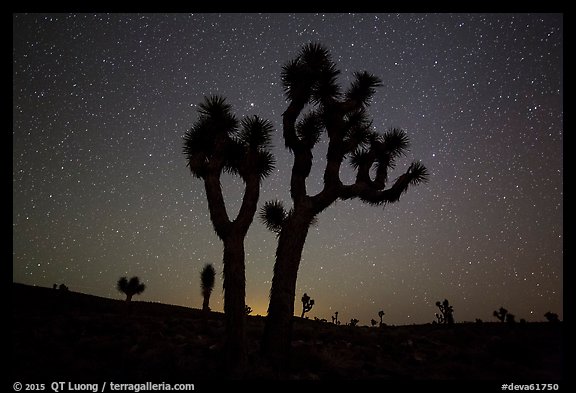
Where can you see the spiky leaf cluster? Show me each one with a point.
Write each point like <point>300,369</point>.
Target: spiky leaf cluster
<point>309,129</point>
<point>363,88</point>
<point>357,130</point>
<point>207,278</point>
<point>311,76</point>
<point>255,133</point>
<point>217,142</point>
<point>273,214</point>
<point>130,287</point>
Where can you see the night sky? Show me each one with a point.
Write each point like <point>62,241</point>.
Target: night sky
<point>101,188</point>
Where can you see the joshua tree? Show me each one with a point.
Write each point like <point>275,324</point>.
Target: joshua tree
<point>510,318</point>
<point>381,314</point>
<point>501,314</point>
<point>446,311</point>
<point>310,83</point>
<point>207,283</point>
<point>307,304</point>
<point>551,317</point>
<point>373,322</point>
<point>247,310</point>
<point>335,318</point>
<point>130,288</point>
<point>217,143</point>
<point>354,322</point>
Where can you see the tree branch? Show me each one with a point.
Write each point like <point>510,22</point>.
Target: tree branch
<point>302,154</point>
<point>249,201</point>
<point>336,150</point>
<point>372,192</point>
<point>216,205</point>
<point>289,117</point>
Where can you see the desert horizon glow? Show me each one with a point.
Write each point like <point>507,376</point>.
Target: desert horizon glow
<point>101,188</point>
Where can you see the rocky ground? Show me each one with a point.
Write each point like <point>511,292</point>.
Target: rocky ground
<point>70,336</point>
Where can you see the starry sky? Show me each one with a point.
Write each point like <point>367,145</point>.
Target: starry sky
<point>101,190</point>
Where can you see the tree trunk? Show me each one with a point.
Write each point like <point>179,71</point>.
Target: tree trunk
<point>129,297</point>
<point>234,303</point>
<point>206,303</point>
<point>278,329</point>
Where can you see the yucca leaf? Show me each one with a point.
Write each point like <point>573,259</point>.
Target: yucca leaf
<point>363,87</point>
<point>396,142</point>
<point>326,88</point>
<point>309,129</point>
<point>358,158</point>
<point>255,132</point>
<point>418,173</point>
<point>273,214</point>
<point>264,164</point>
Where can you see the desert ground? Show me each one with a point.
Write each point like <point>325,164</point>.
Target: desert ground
<point>59,335</point>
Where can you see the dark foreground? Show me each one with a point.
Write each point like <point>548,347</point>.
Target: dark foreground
<point>67,336</point>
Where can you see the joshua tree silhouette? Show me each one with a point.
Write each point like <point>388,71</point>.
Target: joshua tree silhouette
<point>207,284</point>
<point>335,318</point>
<point>551,317</point>
<point>217,143</point>
<point>501,314</point>
<point>354,322</point>
<point>247,309</point>
<point>310,82</point>
<point>381,314</point>
<point>307,304</point>
<point>373,322</point>
<point>446,311</point>
<point>130,287</point>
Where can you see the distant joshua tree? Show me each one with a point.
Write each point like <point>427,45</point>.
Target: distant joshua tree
<point>335,320</point>
<point>354,322</point>
<point>446,311</point>
<point>373,322</point>
<point>307,304</point>
<point>552,317</point>
<point>207,284</point>
<point>61,287</point>
<point>247,309</point>
<point>381,314</point>
<point>130,288</point>
<point>478,320</point>
<point>510,318</point>
<point>501,314</point>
